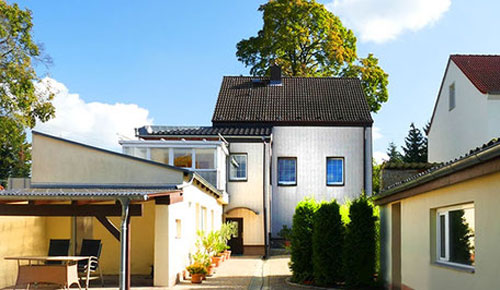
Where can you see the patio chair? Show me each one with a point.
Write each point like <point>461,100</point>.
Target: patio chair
<point>58,248</point>
<point>91,248</point>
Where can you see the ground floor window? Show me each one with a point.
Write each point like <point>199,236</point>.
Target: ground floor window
<point>335,171</point>
<point>455,235</point>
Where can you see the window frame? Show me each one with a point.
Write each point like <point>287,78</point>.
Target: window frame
<point>278,182</point>
<point>452,97</point>
<point>343,171</point>
<point>444,211</point>
<point>237,179</point>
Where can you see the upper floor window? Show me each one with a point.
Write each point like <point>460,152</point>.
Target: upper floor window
<point>205,158</point>
<point>287,171</point>
<point>183,158</point>
<point>335,171</point>
<point>455,235</point>
<point>238,167</point>
<point>161,155</point>
<point>452,97</point>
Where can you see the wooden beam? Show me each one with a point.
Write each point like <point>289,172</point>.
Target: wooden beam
<point>112,229</point>
<point>170,199</point>
<point>67,210</point>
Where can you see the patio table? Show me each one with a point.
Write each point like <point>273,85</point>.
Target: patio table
<point>37,271</point>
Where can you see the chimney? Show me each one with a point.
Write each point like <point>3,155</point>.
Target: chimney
<point>275,76</point>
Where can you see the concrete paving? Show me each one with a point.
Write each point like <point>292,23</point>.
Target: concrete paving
<point>247,273</point>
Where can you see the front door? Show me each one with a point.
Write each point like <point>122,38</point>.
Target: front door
<point>236,243</point>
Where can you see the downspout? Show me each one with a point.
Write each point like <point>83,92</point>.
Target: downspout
<point>264,196</point>
<point>125,202</point>
<point>364,159</point>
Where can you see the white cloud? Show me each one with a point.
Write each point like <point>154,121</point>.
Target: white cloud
<point>382,20</point>
<point>98,124</point>
<point>380,157</point>
<point>376,133</point>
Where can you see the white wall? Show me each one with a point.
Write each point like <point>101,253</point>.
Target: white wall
<point>474,120</point>
<point>177,250</point>
<point>249,193</point>
<point>311,146</point>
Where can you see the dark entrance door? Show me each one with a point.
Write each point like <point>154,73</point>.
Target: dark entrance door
<point>236,243</point>
<point>396,246</point>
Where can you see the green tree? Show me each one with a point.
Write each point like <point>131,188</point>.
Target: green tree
<point>415,149</point>
<point>376,176</point>
<point>301,243</point>
<point>305,39</point>
<point>21,104</point>
<point>327,242</point>
<point>15,151</point>
<point>393,153</point>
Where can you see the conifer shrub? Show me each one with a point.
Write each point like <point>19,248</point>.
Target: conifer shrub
<point>327,243</point>
<point>301,238</point>
<point>359,253</point>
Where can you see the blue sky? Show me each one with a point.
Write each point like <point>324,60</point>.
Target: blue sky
<point>163,61</point>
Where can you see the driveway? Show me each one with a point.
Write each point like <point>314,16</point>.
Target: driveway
<point>247,273</point>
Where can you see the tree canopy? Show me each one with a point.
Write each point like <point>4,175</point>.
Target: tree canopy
<point>21,103</point>
<point>19,99</point>
<point>305,39</point>
<point>415,149</point>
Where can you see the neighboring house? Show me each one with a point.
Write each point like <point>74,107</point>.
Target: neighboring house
<point>284,139</point>
<point>440,229</point>
<point>467,109</point>
<point>168,205</point>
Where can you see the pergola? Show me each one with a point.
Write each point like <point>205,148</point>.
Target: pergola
<point>87,202</point>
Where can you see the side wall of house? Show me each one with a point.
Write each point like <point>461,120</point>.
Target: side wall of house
<point>455,132</point>
<point>418,237</point>
<point>176,232</point>
<point>248,194</point>
<point>311,146</point>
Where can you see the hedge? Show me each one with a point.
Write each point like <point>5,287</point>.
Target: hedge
<point>359,257</point>
<point>301,241</point>
<point>327,243</point>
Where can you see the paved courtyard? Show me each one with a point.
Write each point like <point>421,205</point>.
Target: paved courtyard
<point>247,273</point>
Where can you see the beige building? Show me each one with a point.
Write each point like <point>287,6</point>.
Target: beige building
<point>167,205</point>
<point>440,228</point>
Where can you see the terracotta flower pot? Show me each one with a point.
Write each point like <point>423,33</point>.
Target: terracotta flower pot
<point>228,253</point>
<point>196,278</point>
<point>288,244</point>
<point>222,257</point>
<point>210,270</point>
<point>216,261</point>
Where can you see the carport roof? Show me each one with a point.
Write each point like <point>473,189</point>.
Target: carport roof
<point>97,194</point>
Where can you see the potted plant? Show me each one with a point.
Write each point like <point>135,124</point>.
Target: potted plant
<point>285,234</point>
<point>197,270</point>
<point>227,231</point>
<point>204,259</point>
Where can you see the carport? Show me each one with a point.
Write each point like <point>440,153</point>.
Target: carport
<point>66,200</point>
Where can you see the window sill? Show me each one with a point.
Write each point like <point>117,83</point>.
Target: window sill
<point>238,180</point>
<point>458,267</point>
<point>287,184</point>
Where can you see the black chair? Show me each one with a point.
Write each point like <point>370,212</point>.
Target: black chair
<point>91,248</point>
<point>58,248</point>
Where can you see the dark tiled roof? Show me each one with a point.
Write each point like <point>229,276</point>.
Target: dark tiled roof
<point>482,70</point>
<point>422,177</point>
<point>410,165</point>
<point>203,131</point>
<point>299,100</point>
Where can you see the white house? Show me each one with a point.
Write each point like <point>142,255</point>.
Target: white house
<point>467,109</point>
<point>281,139</point>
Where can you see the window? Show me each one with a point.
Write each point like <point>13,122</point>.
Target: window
<point>335,171</point>
<point>183,158</point>
<point>455,235</point>
<point>212,220</point>
<point>205,158</point>
<point>178,226</point>
<point>203,219</point>
<point>238,167</point>
<point>136,152</point>
<point>160,155</point>
<point>452,97</point>
<point>287,171</point>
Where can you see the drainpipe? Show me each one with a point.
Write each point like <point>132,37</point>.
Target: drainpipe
<point>124,243</point>
<point>264,195</point>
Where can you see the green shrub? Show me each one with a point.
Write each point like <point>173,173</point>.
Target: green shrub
<point>301,238</point>
<point>327,242</point>
<point>359,255</point>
